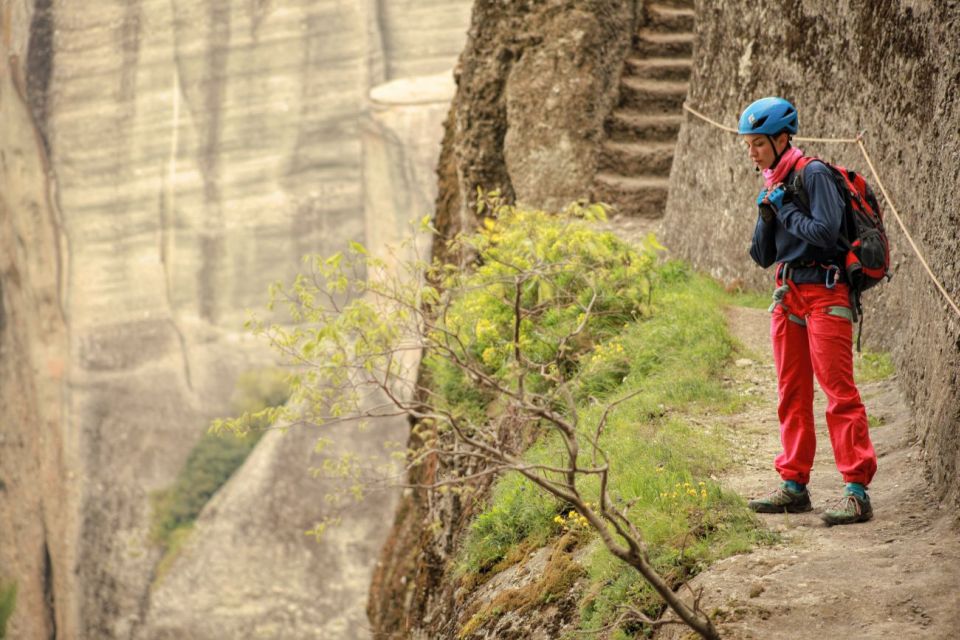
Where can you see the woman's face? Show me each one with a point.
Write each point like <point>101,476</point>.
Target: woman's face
<point>760,150</point>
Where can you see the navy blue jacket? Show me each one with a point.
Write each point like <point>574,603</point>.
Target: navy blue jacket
<point>798,235</point>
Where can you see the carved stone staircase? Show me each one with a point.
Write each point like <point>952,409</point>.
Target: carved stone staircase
<point>641,133</point>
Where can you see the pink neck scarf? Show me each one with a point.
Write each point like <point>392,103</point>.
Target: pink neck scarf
<point>784,167</point>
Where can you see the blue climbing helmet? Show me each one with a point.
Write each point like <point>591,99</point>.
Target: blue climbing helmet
<point>769,116</point>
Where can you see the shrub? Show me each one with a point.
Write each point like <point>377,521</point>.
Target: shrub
<point>554,331</point>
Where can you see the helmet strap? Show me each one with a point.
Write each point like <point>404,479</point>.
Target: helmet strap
<point>776,154</point>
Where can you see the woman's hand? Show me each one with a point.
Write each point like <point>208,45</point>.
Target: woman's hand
<point>769,201</point>
<point>775,197</point>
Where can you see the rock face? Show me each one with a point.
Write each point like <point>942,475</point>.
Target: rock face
<point>890,69</point>
<point>171,159</point>
<point>243,574</point>
<point>35,489</point>
<point>534,85</point>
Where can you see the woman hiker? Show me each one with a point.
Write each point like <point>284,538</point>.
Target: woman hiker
<point>812,324</point>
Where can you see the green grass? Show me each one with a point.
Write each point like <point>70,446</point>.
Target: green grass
<point>8,602</point>
<point>675,359</point>
<point>211,463</point>
<point>752,299</point>
<point>872,367</point>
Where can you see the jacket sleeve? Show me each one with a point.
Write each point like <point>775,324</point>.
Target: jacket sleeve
<point>763,249</point>
<point>821,227</point>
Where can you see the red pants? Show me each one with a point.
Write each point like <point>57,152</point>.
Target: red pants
<point>823,348</point>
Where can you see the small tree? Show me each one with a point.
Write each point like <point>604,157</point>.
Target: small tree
<point>512,332</point>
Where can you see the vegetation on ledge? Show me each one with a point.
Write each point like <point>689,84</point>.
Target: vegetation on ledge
<point>672,363</point>
<point>559,336</point>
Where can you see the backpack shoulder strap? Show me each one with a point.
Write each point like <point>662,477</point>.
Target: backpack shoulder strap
<point>803,162</point>
<point>798,191</point>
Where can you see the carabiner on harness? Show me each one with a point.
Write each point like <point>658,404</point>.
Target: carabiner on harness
<point>831,282</point>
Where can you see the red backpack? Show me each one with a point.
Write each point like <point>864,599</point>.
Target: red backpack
<point>867,261</point>
<point>863,235</point>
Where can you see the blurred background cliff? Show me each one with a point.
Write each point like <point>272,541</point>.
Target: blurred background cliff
<point>162,163</point>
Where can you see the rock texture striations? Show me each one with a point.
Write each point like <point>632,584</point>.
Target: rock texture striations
<point>166,161</point>
<point>36,488</point>
<point>889,68</point>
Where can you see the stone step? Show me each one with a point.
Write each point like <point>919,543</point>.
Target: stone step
<point>650,159</point>
<point>636,126</point>
<point>644,197</point>
<point>653,44</point>
<point>652,96</point>
<point>659,68</point>
<point>667,18</point>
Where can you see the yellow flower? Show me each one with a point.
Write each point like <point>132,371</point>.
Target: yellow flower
<point>572,514</point>
<point>485,329</point>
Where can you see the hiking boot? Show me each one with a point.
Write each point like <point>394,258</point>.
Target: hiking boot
<point>850,509</point>
<point>782,500</point>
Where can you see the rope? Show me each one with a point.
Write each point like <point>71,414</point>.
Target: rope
<point>706,119</point>
<point>902,226</point>
<point>859,142</point>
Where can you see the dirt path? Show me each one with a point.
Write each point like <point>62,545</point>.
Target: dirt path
<point>897,576</point>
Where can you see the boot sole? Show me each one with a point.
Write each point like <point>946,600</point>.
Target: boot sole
<point>784,509</point>
<point>830,522</point>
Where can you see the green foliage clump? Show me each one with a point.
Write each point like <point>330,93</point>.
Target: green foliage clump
<point>872,367</point>
<point>669,362</point>
<point>8,602</point>
<point>579,287</point>
<point>559,333</point>
<point>214,459</point>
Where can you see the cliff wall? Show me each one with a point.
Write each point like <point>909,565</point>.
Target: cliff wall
<point>889,68</point>
<point>163,162</point>
<point>36,489</point>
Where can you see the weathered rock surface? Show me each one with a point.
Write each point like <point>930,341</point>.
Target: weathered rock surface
<point>35,486</point>
<point>247,576</point>
<point>172,159</point>
<point>199,150</point>
<point>248,569</point>
<point>890,69</point>
<point>534,85</point>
